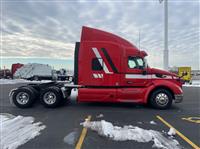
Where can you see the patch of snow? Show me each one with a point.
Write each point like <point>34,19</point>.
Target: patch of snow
<point>130,132</point>
<point>16,81</point>
<point>10,81</point>
<point>153,123</point>
<point>195,83</point>
<point>171,132</point>
<point>17,130</point>
<point>99,116</point>
<point>71,138</point>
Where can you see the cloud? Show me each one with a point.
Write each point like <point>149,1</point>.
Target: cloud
<point>49,30</point>
<point>18,44</point>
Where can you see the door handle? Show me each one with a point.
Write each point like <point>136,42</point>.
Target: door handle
<point>129,82</point>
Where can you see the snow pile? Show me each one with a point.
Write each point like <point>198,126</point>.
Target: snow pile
<point>34,69</point>
<point>195,83</point>
<point>130,132</point>
<point>171,132</point>
<point>100,116</point>
<point>17,130</point>
<point>153,123</point>
<point>15,81</point>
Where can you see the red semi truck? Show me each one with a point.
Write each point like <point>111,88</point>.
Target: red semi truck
<point>15,67</point>
<point>107,68</point>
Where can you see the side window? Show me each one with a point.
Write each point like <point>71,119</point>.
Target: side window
<point>135,62</point>
<point>97,64</point>
<point>140,62</point>
<point>131,62</point>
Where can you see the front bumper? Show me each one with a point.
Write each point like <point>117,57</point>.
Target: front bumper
<point>178,98</point>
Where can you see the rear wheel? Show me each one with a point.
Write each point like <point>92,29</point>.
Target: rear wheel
<point>24,97</point>
<point>51,97</point>
<point>161,99</point>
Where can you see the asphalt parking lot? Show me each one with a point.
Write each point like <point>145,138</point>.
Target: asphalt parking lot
<point>66,119</point>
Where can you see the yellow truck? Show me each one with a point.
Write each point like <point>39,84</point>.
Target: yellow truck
<point>185,73</point>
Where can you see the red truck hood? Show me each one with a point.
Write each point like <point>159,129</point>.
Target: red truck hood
<point>161,72</point>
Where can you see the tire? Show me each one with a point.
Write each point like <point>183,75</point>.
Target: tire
<point>161,99</point>
<point>51,97</point>
<point>24,97</point>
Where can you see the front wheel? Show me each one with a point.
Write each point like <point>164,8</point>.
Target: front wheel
<point>51,97</point>
<point>161,99</point>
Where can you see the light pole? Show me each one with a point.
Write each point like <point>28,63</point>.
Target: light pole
<point>166,51</point>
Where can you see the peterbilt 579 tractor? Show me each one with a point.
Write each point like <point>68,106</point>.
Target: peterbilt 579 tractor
<point>107,68</point>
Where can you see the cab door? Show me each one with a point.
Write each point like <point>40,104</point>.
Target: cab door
<point>134,80</point>
<point>135,73</point>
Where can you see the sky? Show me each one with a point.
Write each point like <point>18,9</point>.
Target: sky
<point>44,31</point>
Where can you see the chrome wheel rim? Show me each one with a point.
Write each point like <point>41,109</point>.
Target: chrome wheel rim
<point>22,98</point>
<point>49,98</point>
<point>162,99</point>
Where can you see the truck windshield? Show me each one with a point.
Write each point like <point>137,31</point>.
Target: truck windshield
<point>136,62</point>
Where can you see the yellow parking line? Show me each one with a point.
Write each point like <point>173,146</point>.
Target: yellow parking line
<point>179,133</point>
<point>83,134</point>
<point>192,119</point>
